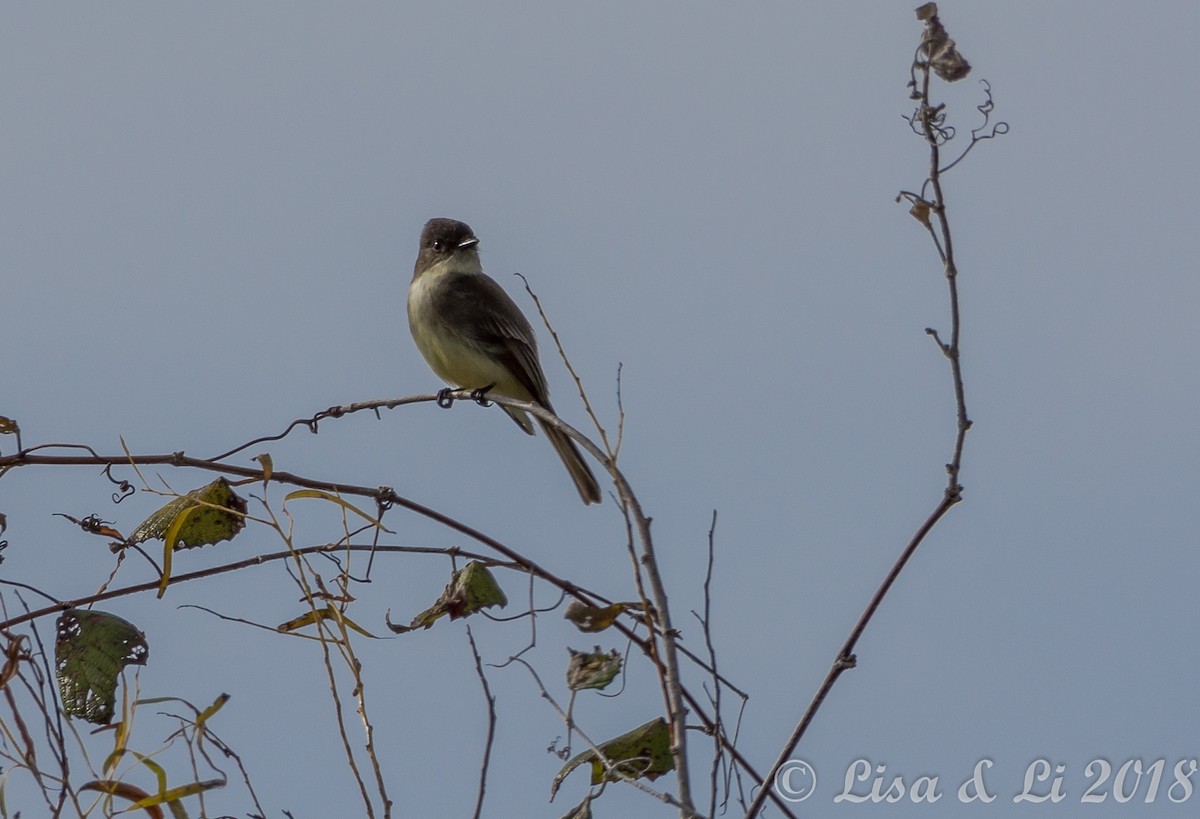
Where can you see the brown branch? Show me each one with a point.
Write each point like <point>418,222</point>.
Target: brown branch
<point>386,494</point>
<point>706,626</point>
<point>929,123</point>
<point>677,698</point>
<point>611,768</point>
<point>668,663</point>
<point>257,560</point>
<point>491,732</point>
<point>562,354</point>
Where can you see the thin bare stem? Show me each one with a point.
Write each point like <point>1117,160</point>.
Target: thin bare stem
<point>668,663</point>
<point>81,602</point>
<point>928,122</point>
<point>562,354</point>
<point>491,732</point>
<point>610,767</point>
<point>718,735</point>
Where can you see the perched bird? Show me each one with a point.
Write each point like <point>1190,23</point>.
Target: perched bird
<point>474,336</point>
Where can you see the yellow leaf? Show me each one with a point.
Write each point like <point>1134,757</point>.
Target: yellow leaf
<point>177,793</point>
<point>123,790</point>
<point>307,619</point>
<point>594,618</point>
<point>316,615</point>
<point>169,541</point>
<point>217,705</point>
<point>264,461</point>
<point>317,493</point>
<point>920,212</point>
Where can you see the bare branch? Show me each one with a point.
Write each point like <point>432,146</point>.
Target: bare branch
<point>491,731</point>
<point>936,53</point>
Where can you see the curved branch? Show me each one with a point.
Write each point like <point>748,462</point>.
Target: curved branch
<point>676,697</point>
<point>152,585</point>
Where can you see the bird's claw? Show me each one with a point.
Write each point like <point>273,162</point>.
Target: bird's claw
<point>479,396</point>
<point>444,399</point>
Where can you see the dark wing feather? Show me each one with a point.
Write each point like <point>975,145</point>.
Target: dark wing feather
<point>498,326</point>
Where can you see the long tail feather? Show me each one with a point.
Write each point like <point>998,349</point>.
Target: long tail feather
<point>584,480</point>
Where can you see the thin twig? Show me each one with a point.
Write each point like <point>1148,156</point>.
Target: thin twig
<point>668,663</point>
<point>258,560</point>
<point>929,122</point>
<point>491,732</point>
<point>706,623</point>
<point>611,768</point>
<point>677,698</point>
<point>562,354</point>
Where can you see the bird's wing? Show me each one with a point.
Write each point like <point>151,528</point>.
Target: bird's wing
<point>498,326</point>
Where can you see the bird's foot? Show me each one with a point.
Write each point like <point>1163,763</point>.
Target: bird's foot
<point>479,396</point>
<point>444,399</point>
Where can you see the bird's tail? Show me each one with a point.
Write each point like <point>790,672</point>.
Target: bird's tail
<point>572,459</point>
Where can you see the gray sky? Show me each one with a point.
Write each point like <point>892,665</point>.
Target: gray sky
<point>209,219</point>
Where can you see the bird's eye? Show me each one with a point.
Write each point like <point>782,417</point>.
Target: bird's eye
<point>437,244</point>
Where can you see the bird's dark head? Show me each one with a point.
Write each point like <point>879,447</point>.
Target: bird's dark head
<point>443,240</point>
<point>447,236</point>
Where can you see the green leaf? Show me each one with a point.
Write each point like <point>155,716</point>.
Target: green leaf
<point>644,751</point>
<point>91,649</point>
<point>594,669</point>
<point>212,513</point>
<point>471,588</point>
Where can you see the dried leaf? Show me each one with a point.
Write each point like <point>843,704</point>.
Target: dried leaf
<point>594,618</point>
<point>14,652</point>
<point>595,669</point>
<point>178,792</point>
<point>920,212</point>
<point>644,751</point>
<point>471,588</point>
<point>124,790</point>
<point>264,460</point>
<point>581,811</point>
<point>213,513</point>
<point>208,712</point>
<point>349,507</point>
<point>8,426</point>
<point>91,649</point>
<point>316,615</point>
<point>941,51</point>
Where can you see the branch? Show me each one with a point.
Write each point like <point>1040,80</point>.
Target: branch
<point>384,494</point>
<point>928,122</point>
<point>668,663</point>
<point>666,660</point>
<point>152,585</point>
<point>491,732</point>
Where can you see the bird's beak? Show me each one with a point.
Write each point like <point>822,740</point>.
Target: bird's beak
<point>468,243</point>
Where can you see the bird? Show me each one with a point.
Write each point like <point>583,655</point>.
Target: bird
<point>474,336</point>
